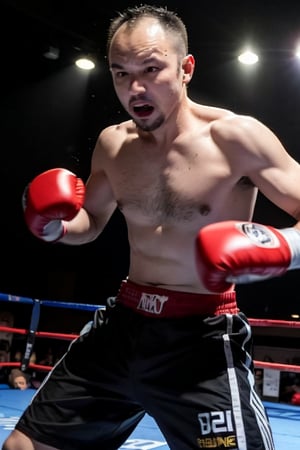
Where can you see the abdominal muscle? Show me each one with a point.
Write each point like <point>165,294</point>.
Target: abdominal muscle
<point>164,257</point>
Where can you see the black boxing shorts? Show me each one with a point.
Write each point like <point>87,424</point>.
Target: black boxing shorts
<point>185,359</point>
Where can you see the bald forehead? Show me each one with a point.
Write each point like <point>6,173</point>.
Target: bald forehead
<point>142,34</point>
<point>150,24</point>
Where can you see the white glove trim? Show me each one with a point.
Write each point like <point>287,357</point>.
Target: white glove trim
<point>53,231</point>
<point>292,236</point>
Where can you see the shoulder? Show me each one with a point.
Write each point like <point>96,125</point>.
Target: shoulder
<point>226,123</point>
<point>235,127</point>
<point>247,137</point>
<point>228,127</point>
<point>112,138</point>
<point>115,133</point>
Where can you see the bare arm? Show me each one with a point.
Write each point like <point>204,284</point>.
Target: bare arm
<point>233,252</point>
<point>260,155</point>
<point>98,207</point>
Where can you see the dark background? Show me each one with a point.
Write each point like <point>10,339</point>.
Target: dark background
<point>51,114</point>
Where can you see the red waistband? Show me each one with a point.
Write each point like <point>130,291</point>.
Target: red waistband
<point>158,302</point>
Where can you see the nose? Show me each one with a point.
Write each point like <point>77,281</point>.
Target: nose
<point>136,85</point>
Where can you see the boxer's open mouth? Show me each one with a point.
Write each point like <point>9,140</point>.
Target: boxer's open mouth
<point>143,110</point>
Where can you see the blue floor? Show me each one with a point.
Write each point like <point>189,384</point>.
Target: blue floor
<point>285,422</point>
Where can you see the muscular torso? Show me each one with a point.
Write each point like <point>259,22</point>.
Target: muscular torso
<point>167,192</point>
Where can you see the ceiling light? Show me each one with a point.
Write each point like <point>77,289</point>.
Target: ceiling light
<point>85,63</point>
<point>297,52</point>
<point>248,57</point>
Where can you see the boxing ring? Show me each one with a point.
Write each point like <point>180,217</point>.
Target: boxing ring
<point>284,418</point>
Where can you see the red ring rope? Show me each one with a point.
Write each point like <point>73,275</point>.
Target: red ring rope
<point>70,337</point>
<point>44,334</point>
<point>274,323</point>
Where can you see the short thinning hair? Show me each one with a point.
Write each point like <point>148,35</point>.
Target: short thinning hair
<point>169,20</point>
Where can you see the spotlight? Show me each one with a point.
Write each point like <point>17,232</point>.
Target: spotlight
<point>248,57</point>
<point>85,63</point>
<point>295,316</point>
<point>297,52</point>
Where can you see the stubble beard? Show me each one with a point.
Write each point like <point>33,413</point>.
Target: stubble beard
<point>150,126</point>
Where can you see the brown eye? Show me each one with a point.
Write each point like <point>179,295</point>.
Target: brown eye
<point>152,69</point>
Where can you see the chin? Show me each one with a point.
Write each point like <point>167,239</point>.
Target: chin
<point>150,126</point>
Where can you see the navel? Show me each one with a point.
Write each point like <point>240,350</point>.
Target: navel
<point>204,210</point>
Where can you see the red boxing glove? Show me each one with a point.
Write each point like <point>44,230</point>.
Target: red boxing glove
<point>52,196</point>
<point>241,252</point>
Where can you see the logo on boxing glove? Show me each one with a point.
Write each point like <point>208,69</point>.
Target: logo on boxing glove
<point>259,234</point>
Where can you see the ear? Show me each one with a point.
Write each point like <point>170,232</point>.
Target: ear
<point>188,66</point>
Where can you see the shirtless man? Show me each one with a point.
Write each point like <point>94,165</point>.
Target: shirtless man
<point>175,344</point>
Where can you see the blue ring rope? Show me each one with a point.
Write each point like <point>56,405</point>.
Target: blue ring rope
<point>35,317</point>
<point>50,303</point>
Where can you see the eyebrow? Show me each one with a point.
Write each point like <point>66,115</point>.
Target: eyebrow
<point>116,66</point>
<point>149,60</point>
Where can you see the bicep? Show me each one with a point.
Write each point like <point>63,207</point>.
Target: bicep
<point>267,163</point>
<point>279,183</point>
<point>99,199</point>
